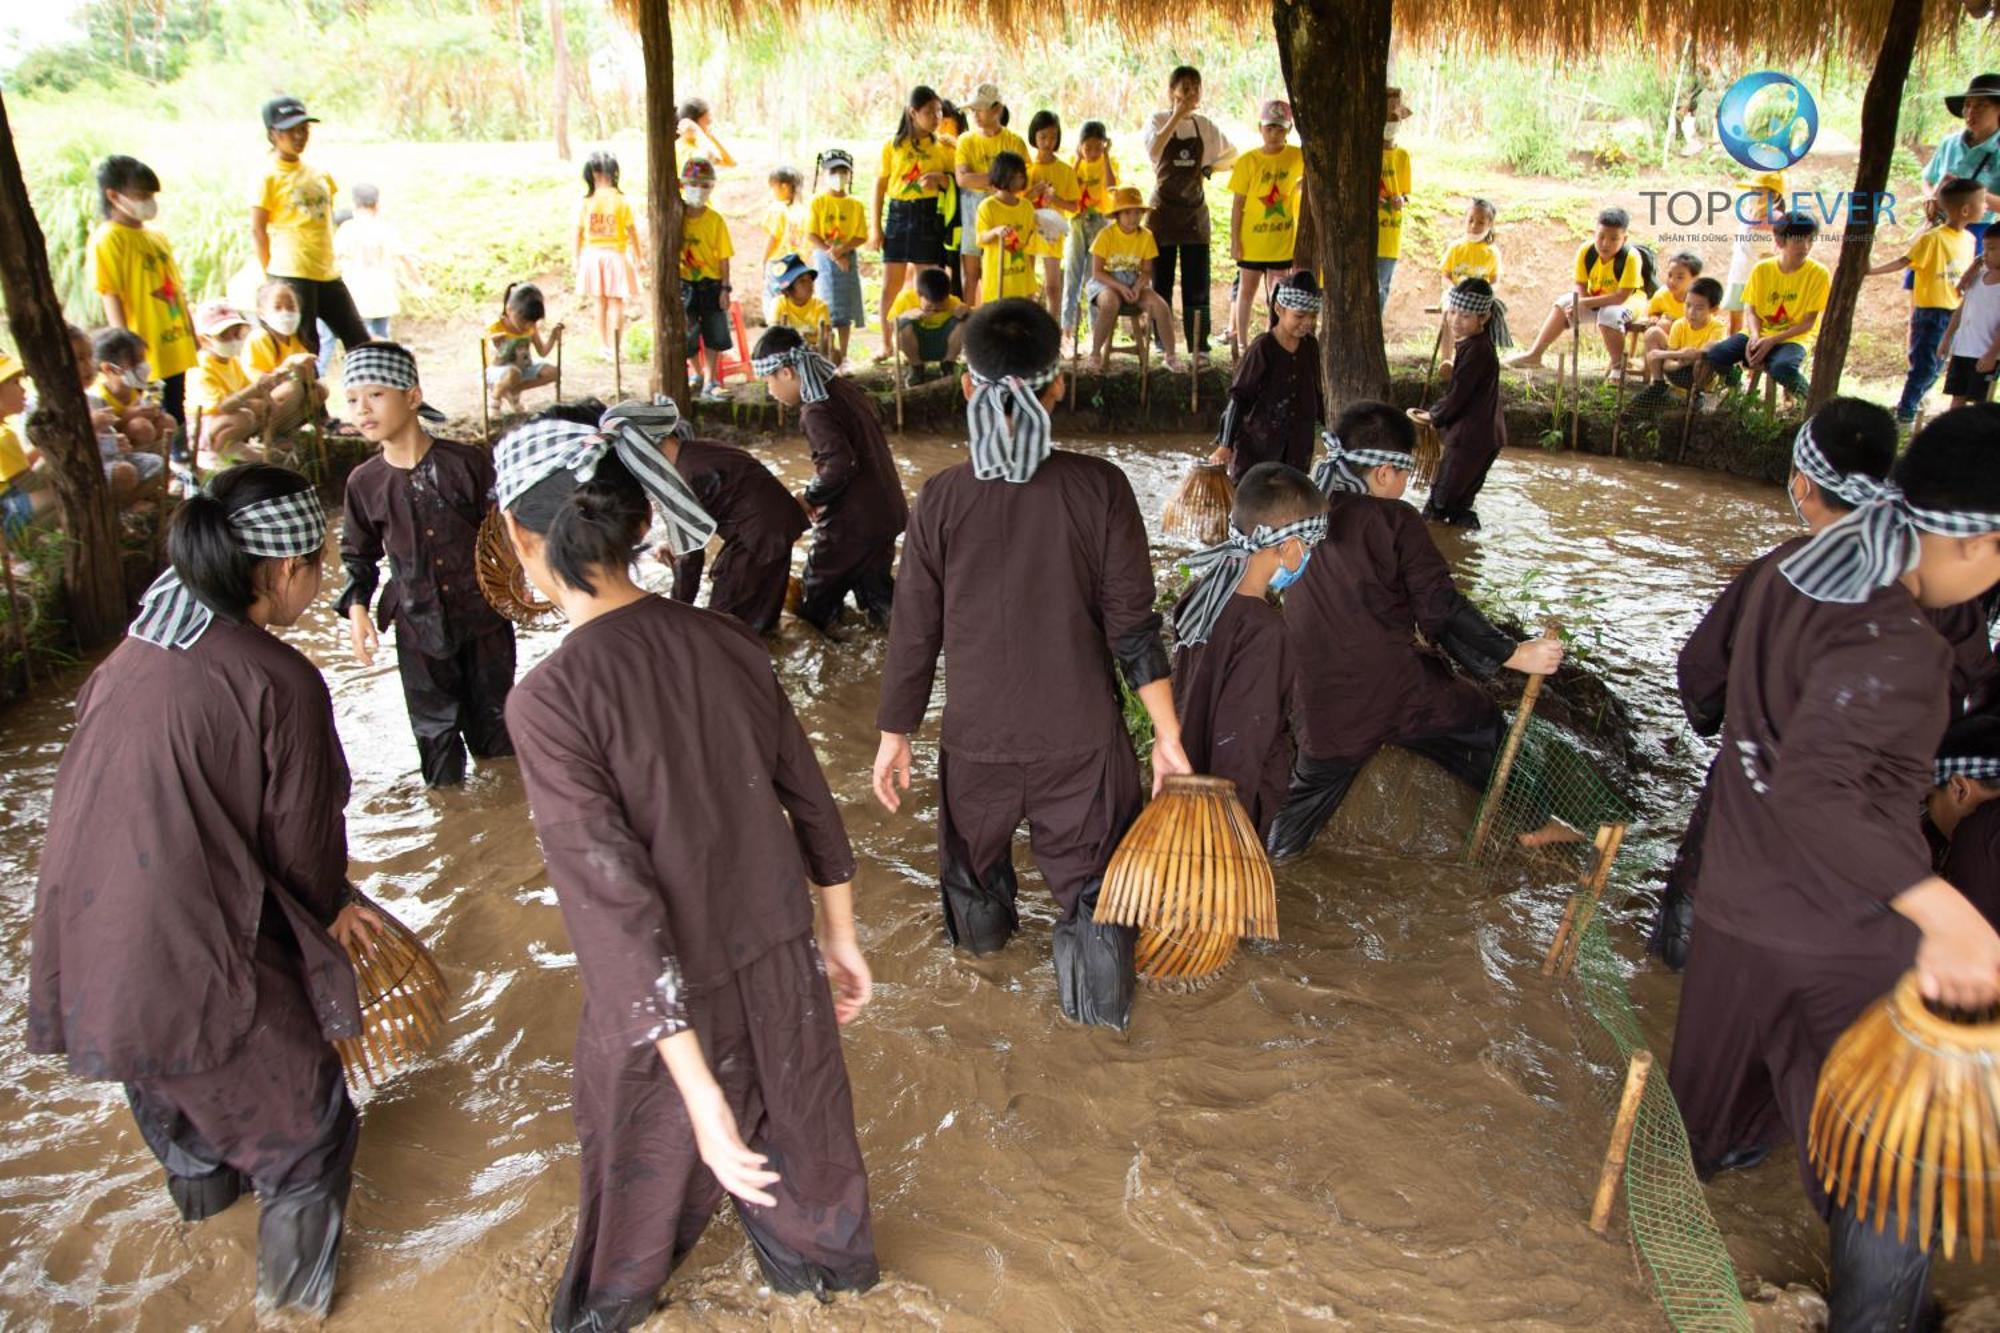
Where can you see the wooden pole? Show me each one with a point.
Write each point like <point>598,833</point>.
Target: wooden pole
<point>1674,102</point>
<point>485,395</point>
<point>898,351</point>
<point>559,345</point>
<point>1505,765</point>
<point>1194,359</point>
<point>1618,404</point>
<point>1575,370</point>
<point>1437,346</point>
<point>1696,378</point>
<point>1621,1139</point>
<point>618,370</point>
<point>1582,906</point>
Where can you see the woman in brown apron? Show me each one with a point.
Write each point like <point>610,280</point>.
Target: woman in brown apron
<point>1186,149</point>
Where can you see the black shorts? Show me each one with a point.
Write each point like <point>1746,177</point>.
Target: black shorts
<point>913,233</point>
<point>1683,376</point>
<point>1264,265</point>
<point>1962,379</point>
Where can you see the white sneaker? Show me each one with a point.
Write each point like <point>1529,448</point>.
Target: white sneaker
<point>714,393</point>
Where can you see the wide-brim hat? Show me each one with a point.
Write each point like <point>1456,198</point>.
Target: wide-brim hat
<point>9,368</point>
<point>1126,198</point>
<point>790,268</point>
<point>1986,85</point>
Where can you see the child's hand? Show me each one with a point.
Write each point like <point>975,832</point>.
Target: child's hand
<point>361,635</point>
<point>1236,249</point>
<point>556,332</point>
<point>1537,657</point>
<point>1986,363</point>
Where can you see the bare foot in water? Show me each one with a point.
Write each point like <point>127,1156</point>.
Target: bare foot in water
<point>1552,834</point>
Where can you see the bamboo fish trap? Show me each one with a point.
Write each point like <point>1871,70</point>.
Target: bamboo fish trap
<point>402,1003</point>
<point>1192,874</point>
<point>1906,1120</point>
<point>1430,446</point>
<point>502,580</point>
<point>1200,508</point>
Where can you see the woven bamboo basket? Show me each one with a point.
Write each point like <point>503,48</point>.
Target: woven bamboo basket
<point>1906,1121</point>
<point>1429,449</point>
<point>504,583</point>
<point>1200,508</point>
<point>402,1003</point>
<point>1192,874</point>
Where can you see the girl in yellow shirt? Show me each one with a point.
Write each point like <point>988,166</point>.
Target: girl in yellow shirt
<point>1473,255</point>
<point>136,277</point>
<point>1121,278</point>
<point>836,227</point>
<point>978,148</point>
<point>1006,229</point>
<point>609,251</point>
<point>277,355</point>
<point>784,228</point>
<point>1096,177</point>
<point>1051,186</point>
<point>916,169</point>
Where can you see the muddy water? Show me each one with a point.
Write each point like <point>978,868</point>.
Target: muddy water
<point>1381,1122</point>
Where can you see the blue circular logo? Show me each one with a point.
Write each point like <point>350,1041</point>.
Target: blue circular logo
<point>1767,120</point>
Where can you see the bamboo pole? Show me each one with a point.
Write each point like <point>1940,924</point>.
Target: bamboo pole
<point>1618,404</point>
<point>1194,359</point>
<point>1698,375</point>
<point>1674,102</point>
<point>1575,369</point>
<point>1621,1139</point>
<point>559,345</point>
<point>1505,765</point>
<point>1437,346</point>
<point>896,350</point>
<point>1582,905</point>
<point>618,369</point>
<point>485,396</point>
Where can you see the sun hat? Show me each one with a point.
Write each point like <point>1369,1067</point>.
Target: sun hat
<point>1398,111</point>
<point>1125,198</point>
<point>789,269</point>
<point>1277,111</point>
<point>9,368</point>
<point>985,95</point>
<point>1986,85</point>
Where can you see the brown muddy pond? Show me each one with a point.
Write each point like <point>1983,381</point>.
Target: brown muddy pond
<point>1383,1121</point>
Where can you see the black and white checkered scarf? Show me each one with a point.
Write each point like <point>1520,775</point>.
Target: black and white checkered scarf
<point>171,616</point>
<point>1875,543</point>
<point>1334,472</point>
<point>387,364</point>
<point>1220,569</point>
<point>815,372</point>
<point>1290,296</point>
<point>527,454</point>
<point>1009,427</point>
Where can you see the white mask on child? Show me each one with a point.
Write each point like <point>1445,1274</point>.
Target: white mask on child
<point>695,196</point>
<point>283,322</point>
<point>139,376</point>
<point>139,210</point>
<point>1389,129</point>
<point>229,348</point>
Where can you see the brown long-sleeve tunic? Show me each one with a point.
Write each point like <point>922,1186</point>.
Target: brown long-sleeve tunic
<point>426,520</point>
<point>854,481</point>
<point>680,808</point>
<point>750,506</point>
<point>1973,863</point>
<point>1470,423</point>
<point>1233,695</point>
<point>1361,679</point>
<point>1031,592</point>
<point>1702,671</point>
<point>1975,672</point>
<point>201,787</point>
<point>1274,405</point>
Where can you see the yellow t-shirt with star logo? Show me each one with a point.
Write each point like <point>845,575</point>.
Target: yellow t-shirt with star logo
<point>299,199</point>
<point>1008,268</point>
<point>1781,298</point>
<point>905,163</point>
<point>1938,259</point>
<point>837,219</point>
<point>1389,218</point>
<point>1060,177</point>
<point>976,150</point>
<point>1471,259</point>
<point>1269,184</point>
<point>1094,182</point>
<point>136,265</point>
<point>704,245</point>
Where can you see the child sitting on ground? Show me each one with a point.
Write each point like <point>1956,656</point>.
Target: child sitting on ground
<point>1783,299</point>
<point>123,387</point>
<point>1608,272</point>
<point>517,345</point>
<point>1274,405</point>
<point>705,288</point>
<point>1973,336</point>
<point>1937,259</point>
<point>1264,216</point>
<point>26,496</point>
<point>133,474</point>
<point>836,229</point>
<point>1673,360</point>
<point>1121,279</point>
<point>296,394</point>
<point>1379,581</point>
<point>930,324</point>
<point>1232,666</point>
<point>1006,226</point>
<point>795,307</point>
<point>1468,417</point>
<point>1669,303</point>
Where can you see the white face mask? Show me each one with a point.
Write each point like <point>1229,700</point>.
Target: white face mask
<point>840,180</point>
<point>229,348</point>
<point>139,210</point>
<point>139,376</point>
<point>1389,128</point>
<point>695,196</point>
<point>284,322</point>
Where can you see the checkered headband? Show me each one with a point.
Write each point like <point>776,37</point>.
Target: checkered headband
<point>1009,445</point>
<point>1221,570</point>
<point>1851,489</point>
<point>528,454</point>
<point>1470,300</point>
<point>1292,296</point>
<point>815,371</point>
<point>387,364</point>
<point>1335,474</point>
<point>171,616</point>
<point>1873,545</point>
<point>1979,767</point>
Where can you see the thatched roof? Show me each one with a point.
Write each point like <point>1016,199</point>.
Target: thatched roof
<point>1773,29</point>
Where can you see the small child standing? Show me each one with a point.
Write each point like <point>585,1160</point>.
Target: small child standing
<point>1673,361</point>
<point>136,277</point>
<point>516,344</point>
<point>1051,185</point>
<point>1006,226</point>
<point>1937,259</point>
<point>420,501</point>
<point>705,288</point>
<point>1473,255</point>
<point>836,229</point>
<point>976,151</point>
<point>610,251</point>
<point>1121,279</point>
<point>1760,203</point>
<point>1973,336</point>
<point>795,306</point>
<point>784,228</point>
<point>1468,417</point>
<point>1274,406</point>
<point>930,323</point>
<point>1269,180</point>
<point>374,264</point>
<point>1096,178</point>
<point>1232,664</point>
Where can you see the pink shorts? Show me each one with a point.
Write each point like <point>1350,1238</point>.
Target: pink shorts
<point>605,272</point>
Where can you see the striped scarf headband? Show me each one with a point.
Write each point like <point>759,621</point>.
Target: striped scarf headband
<point>1221,568</point>
<point>1009,446</point>
<point>1293,297</point>
<point>528,454</point>
<point>1471,302</point>
<point>815,372</point>
<point>1335,474</point>
<point>1979,767</point>
<point>1873,546</point>
<point>1851,489</point>
<point>171,616</point>
<point>386,364</point>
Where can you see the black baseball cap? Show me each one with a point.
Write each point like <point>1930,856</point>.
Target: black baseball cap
<point>282,113</point>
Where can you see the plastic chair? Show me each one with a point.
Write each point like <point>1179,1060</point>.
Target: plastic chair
<point>734,362</point>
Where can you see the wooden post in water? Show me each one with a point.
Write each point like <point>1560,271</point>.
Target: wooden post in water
<point>1437,346</point>
<point>1618,406</point>
<point>559,343</point>
<point>1490,808</point>
<point>1636,1074</point>
<point>1697,376</point>
<point>1582,906</point>
<point>1575,369</point>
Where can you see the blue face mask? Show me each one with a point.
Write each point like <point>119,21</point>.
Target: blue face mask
<point>1285,578</point>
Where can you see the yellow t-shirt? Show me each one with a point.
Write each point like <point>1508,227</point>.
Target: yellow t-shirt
<point>788,314</point>
<point>786,224</point>
<point>1122,251</point>
<point>1600,275</point>
<point>213,379</point>
<point>909,301</point>
<point>13,458</point>
<point>509,348</point>
<point>1060,177</point>
<point>1684,335</point>
<point>704,245</point>
<point>905,164</point>
<point>1471,259</point>
<point>1780,298</point>
<point>607,221</point>
<point>1939,259</point>
<point>299,199</point>
<point>1094,182</point>
<point>267,351</point>
<point>1269,184</point>
<point>1389,220</point>
<point>1007,267</point>
<point>977,150</point>
<point>113,393</point>
<point>136,265</point>
<point>837,218</point>
<point>1665,305</point>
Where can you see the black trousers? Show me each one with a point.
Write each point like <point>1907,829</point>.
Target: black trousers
<point>836,568</point>
<point>1320,785</point>
<point>1192,263</point>
<point>747,584</point>
<point>458,702</point>
<point>327,301</point>
<point>1880,1284</point>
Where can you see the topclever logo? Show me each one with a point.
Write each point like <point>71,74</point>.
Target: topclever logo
<point>1767,120</point>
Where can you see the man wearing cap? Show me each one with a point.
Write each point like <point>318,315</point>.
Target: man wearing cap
<point>977,148</point>
<point>291,228</point>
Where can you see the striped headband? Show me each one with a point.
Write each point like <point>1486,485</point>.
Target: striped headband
<point>1979,767</point>
<point>1873,545</point>
<point>1334,474</point>
<point>815,372</point>
<point>1009,446</point>
<point>387,364</point>
<point>171,616</point>
<point>1223,568</point>
<point>1292,296</point>
<point>528,454</point>
<point>1851,489</point>
<point>1468,301</point>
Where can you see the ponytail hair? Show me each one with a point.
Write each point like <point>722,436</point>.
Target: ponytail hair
<point>600,163</point>
<point>204,548</point>
<point>524,299</point>
<point>585,525</point>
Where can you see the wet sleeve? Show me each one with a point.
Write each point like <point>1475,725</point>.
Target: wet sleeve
<point>612,902</point>
<point>1439,608</point>
<point>1702,672</point>
<point>832,455</point>
<point>916,631</point>
<point>360,552</point>
<point>1125,592</point>
<point>302,827</point>
<point>802,790</point>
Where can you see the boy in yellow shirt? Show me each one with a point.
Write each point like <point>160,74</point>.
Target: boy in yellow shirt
<point>795,307</point>
<point>1608,271</point>
<point>1391,194</point>
<point>291,228</point>
<point>930,323</point>
<point>25,496</point>
<point>1264,219</point>
<point>975,154</point>
<point>1668,304</point>
<point>137,278</point>
<point>1782,303</point>
<point>705,289</point>
<point>1672,360</point>
<point>1005,225</point>
<point>1121,279</point>
<point>1937,259</point>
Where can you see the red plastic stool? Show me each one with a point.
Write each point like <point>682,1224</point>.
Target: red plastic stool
<point>735,361</point>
